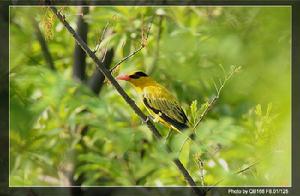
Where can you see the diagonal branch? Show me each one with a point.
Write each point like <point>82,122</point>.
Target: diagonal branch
<point>125,96</point>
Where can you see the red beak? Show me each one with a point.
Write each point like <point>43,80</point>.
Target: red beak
<point>123,77</point>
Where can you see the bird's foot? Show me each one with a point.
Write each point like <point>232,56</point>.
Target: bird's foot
<point>148,119</point>
<point>156,119</point>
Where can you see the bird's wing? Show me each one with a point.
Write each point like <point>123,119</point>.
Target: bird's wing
<point>160,101</point>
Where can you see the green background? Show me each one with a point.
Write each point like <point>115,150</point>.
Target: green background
<point>197,46</point>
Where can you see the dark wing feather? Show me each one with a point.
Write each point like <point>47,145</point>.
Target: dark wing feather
<point>170,112</point>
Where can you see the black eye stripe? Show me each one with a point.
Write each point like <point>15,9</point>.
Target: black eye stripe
<point>138,74</point>
<point>134,76</point>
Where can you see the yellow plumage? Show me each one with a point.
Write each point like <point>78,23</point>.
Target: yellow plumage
<point>160,103</point>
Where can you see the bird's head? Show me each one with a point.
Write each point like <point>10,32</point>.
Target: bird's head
<point>139,79</point>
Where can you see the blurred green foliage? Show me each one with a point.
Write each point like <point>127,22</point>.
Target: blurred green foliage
<point>250,123</point>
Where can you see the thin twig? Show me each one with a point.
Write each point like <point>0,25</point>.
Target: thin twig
<point>101,38</point>
<point>237,172</point>
<point>209,106</point>
<point>143,44</point>
<point>246,168</point>
<point>213,101</point>
<point>200,164</point>
<point>127,57</point>
<point>202,173</point>
<point>125,96</point>
<point>104,55</point>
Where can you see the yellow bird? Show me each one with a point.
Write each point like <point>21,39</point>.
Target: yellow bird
<point>160,103</point>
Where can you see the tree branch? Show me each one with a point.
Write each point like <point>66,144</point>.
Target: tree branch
<point>79,54</point>
<point>41,39</point>
<point>124,95</point>
<point>96,81</point>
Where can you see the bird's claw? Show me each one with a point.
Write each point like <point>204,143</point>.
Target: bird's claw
<point>148,119</point>
<point>156,118</point>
